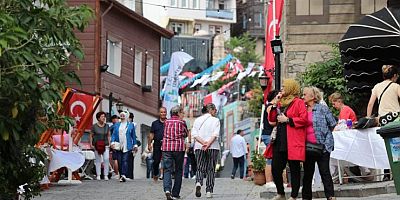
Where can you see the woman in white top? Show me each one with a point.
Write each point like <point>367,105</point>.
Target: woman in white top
<point>206,132</point>
<point>389,101</point>
<point>387,92</point>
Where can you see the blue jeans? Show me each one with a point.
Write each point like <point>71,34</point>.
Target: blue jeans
<point>267,139</point>
<point>170,158</point>
<point>149,167</point>
<point>238,162</point>
<point>123,159</point>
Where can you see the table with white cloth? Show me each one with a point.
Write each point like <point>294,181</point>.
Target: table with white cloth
<point>362,147</point>
<point>71,160</point>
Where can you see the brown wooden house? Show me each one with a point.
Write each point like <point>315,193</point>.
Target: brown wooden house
<point>130,45</point>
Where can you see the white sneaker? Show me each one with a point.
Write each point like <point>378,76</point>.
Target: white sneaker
<point>194,177</point>
<point>279,197</point>
<point>116,177</point>
<point>198,189</point>
<point>98,178</point>
<point>270,185</point>
<point>122,179</point>
<point>209,195</point>
<point>106,178</point>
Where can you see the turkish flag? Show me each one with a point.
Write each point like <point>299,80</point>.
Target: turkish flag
<point>77,108</point>
<point>271,30</point>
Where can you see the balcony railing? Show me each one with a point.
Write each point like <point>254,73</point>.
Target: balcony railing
<point>220,14</point>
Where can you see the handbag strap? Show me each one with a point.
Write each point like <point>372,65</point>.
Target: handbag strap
<point>380,97</point>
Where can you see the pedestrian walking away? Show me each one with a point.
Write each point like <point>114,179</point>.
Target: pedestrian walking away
<point>173,147</point>
<point>155,141</point>
<point>238,151</point>
<point>205,131</point>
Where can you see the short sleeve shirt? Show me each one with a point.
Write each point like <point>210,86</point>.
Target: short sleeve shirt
<point>100,133</point>
<point>157,127</point>
<point>389,102</point>
<point>347,113</point>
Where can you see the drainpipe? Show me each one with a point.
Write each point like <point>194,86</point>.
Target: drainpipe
<point>98,41</point>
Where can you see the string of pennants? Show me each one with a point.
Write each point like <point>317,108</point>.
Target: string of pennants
<point>233,68</point>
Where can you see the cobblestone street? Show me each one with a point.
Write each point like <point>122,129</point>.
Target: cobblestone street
<point>146,189</point>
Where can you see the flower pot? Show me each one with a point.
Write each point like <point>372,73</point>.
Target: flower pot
<point>259,177</point>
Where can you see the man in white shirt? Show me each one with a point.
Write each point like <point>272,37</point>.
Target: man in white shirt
<point>206,132</point>
<point>238,151</point>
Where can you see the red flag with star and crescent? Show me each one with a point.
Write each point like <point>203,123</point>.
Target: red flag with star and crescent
<point>78,106</point>
<point>272,23</point>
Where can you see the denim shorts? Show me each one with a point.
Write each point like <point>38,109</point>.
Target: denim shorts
<point>266,139</point>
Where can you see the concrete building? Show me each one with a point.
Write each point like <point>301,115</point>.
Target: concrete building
<point>310,26</point>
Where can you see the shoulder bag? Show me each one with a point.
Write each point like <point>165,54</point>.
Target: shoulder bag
<point>100,145</point>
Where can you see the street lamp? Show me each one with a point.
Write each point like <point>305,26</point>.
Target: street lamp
<point>119,106</point>
<point>277,49</point>
<point>263,81</point>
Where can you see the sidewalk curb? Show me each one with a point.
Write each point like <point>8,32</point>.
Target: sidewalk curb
<point>346,190</point>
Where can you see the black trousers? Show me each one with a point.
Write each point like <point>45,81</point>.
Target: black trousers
<point>193,163</point>
<point>157,159</point>
<point>279,161</point>
<point>309,168</point>
<point>238,162</point>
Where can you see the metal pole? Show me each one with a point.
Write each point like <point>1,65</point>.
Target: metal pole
<point>277,71</point>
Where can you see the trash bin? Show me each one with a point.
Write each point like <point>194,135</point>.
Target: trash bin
<point>391,134</point>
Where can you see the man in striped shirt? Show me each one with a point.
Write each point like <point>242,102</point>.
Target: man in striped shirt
<point>173,147</point>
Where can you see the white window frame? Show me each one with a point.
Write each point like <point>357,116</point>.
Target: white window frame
<point>176,25</point>
<point>184,4</point>
<point>195,4</point>
<point>174,3</point>
<point>149,70</point>
<point>137,73</point>
<point>114,56</point>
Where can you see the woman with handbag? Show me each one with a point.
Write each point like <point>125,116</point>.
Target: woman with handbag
<point>123,141</point>
<point>100,141</point>
<point>319,145</point>
<point>388,92</point>
<point>289,145</point>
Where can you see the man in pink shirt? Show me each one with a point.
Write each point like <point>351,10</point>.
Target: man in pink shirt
<point>345,111</point>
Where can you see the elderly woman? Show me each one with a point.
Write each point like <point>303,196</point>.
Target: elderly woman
<point>100,139</point>
<point>289,146</point>
<point>319,131</point>
<point>123,140</point>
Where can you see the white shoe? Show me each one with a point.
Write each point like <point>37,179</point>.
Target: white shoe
<point>270,185</point>
<point>209,195</point>
<point>116,177</point>
<point>194,177</point>
<point>122,179</point>
<point>279,197</point>
<point>198,189</point>
<point>98,178</point>
<point>106,178</point>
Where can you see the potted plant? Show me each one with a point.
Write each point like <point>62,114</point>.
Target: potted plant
<point>258,168</point>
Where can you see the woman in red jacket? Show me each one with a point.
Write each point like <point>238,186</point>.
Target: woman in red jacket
<point>290,142</point>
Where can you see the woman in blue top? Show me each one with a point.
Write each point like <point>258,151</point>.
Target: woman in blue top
<point>123,141</point>
<point>319,131</point>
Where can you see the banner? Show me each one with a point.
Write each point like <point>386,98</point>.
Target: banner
<point>171,87</point>
<point>271,30</point>
<point>78,106</point>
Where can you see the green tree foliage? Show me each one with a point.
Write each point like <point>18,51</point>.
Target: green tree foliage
<point>328,76</point>
<point>36,42</point>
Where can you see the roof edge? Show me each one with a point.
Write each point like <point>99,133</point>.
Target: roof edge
<point>133,15</point>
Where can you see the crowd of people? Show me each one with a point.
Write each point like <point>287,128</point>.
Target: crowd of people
<point>297,124</point>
